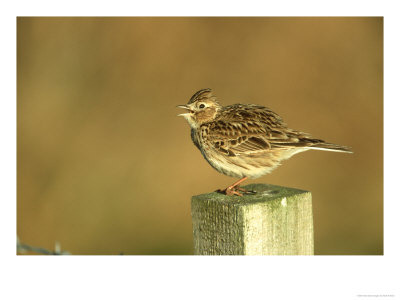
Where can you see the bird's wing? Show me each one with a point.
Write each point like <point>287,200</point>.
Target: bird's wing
<point>251,129</point>
<point>289,138</point>
<point>236,138</point>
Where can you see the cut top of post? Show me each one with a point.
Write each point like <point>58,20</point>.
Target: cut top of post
<point>264,192</point>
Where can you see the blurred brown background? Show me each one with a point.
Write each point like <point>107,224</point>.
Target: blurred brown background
<point>105,166</point>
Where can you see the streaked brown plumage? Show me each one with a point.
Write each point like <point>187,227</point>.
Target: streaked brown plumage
<point>244,140</point>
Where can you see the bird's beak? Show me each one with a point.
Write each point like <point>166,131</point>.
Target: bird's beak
<point>185,107</point>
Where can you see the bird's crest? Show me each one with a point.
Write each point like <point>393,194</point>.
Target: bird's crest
<point>202,94</point>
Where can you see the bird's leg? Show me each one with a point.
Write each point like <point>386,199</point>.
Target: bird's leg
<point>233,189</point>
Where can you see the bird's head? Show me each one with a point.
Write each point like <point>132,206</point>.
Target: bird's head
<point>203,107</point>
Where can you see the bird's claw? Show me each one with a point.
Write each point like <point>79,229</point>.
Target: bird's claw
<point>236,190</point>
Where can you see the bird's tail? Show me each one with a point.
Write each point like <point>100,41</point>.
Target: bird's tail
<point>330,147</point>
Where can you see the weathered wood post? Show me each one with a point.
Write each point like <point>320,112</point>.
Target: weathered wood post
<point>274,221</point>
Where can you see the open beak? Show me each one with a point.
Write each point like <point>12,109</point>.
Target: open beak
<point>188,110</point>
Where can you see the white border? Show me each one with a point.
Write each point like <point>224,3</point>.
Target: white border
<point>197,277</point>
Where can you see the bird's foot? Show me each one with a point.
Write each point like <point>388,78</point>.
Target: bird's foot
<point>230,191</point>
<point>236,190</point>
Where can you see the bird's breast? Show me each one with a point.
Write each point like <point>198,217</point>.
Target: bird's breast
<point>196,138</point>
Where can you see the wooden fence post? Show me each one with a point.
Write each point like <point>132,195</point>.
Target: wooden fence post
<point>274,221</point>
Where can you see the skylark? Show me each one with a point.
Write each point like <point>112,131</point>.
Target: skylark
<point>244,140</point>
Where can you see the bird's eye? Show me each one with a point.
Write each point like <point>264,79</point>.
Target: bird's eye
<point>202,106</point>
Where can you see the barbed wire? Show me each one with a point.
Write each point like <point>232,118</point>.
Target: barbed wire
<point>23,248</point>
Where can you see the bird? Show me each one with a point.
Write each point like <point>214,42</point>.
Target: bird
<point>244,140</point>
